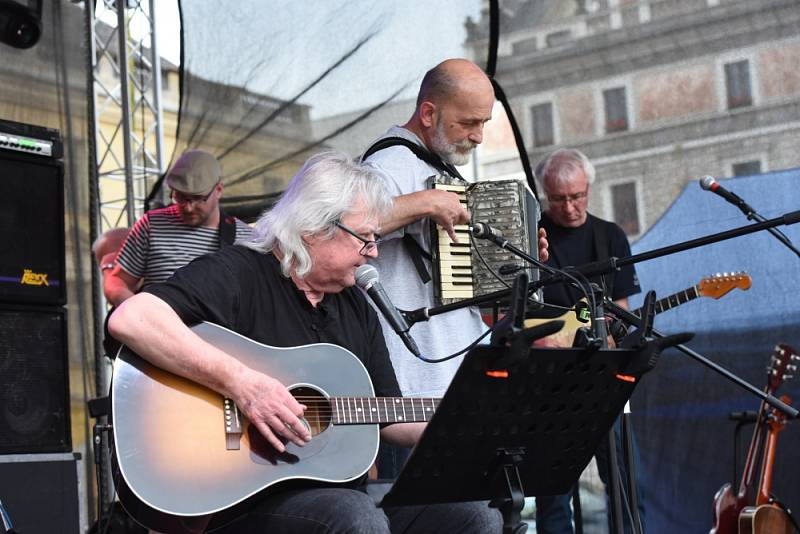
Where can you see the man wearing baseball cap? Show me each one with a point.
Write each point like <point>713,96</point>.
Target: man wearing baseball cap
<point>166,239</point>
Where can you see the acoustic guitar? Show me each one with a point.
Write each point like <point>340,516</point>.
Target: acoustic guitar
<point>183,452</point>
<point>729,503</point>
<point>713,286</point>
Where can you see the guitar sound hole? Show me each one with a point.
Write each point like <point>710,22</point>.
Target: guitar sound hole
<point>317,417</point>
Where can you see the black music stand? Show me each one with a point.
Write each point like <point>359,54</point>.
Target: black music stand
<point>526,427</point>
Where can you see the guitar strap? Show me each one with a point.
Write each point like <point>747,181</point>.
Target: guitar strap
<point>602,250</point>
<point>412,246</point>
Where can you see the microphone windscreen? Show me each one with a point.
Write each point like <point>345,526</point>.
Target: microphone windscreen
<point>706,182</point>
<point>366,275</point>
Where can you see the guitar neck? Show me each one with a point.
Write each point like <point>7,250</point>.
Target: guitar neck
<point>747,485</point>
<point>370,410</point>
<point>676,299</point>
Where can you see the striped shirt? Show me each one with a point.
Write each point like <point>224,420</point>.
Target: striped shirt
<point>161,243</point>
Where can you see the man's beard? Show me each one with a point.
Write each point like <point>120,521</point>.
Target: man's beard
<point>452,153</point>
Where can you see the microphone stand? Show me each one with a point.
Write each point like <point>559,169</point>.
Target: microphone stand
<point>634,320</point>
<point>595,268</point>
<point>780,236</point>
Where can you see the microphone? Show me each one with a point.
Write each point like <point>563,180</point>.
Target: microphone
<point>484,231</point>
<point>710,184</point>
<point>367,279</point>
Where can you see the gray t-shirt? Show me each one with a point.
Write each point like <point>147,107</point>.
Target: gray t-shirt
<point>443,334</point>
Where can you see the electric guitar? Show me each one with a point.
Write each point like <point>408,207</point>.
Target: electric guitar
<point>184,452</point>
<point>729,503</point>
<point>713,286</point>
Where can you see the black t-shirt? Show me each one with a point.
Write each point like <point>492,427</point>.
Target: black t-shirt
<point>575,247</point>
<point>246,292</point>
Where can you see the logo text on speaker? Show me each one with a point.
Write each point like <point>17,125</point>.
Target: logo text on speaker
<point>34,279</point>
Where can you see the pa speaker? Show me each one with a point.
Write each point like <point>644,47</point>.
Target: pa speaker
<point>40,493</point>
<point>31,229</point>
<point>34,387</point>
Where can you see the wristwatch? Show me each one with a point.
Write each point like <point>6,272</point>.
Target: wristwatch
<point>107,266</point>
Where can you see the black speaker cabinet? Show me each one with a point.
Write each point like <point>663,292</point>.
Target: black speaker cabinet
<point>31,229</point>
<point>34,386</point>
<point>40,492</point>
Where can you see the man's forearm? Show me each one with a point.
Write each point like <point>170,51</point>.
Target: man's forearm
<point>406,210</point>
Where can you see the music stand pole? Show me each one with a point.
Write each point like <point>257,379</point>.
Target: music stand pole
<point>601,337</point>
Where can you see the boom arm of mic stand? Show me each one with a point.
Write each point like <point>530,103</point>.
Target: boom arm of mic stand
<point>634,320</point>
<point>780,236</point>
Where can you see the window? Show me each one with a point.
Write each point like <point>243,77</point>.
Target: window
<point>542,124</point>
<point>616,110</point>
<point>558,38</point>
<point>737,84</point>
<point>626,211</point>
<point>524,46</point>
<point>746,168</point>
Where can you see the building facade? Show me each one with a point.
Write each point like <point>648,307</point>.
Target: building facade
<point>656,92</point>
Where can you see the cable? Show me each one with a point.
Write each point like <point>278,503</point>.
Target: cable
<point>462,351</point>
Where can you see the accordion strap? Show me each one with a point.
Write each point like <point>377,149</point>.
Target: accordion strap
<point>413,248</point>
<point>420,151</point>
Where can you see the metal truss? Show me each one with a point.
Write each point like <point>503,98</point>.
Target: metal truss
<point>127,102</point>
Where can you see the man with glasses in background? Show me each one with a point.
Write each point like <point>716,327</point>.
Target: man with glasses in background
<point>577,237</point>
<point>166,239</point>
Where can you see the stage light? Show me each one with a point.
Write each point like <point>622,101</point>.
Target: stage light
<point>20,26</point>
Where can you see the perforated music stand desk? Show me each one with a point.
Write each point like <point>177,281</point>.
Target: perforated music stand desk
<point>544,419</point>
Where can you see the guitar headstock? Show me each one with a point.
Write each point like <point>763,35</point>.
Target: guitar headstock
<point>722,283</point>
<point>783,363</point>
<point>776,418</point>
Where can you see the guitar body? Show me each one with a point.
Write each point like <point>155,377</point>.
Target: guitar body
<point>565,336</point>
<point>765,519</point>
<point>172,451</point>
<point>726,511</point>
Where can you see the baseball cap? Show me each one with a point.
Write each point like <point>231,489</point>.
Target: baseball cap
<point>195,172</point>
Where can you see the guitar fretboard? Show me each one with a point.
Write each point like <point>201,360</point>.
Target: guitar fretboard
<point>676,299</point>
<point>366,410</point>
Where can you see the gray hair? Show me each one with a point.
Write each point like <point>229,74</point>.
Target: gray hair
<point>561,165</point>
<point>321,192</point>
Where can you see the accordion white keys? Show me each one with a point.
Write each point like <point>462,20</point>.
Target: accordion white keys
<point>470,268</point>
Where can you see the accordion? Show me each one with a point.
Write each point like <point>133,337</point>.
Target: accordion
<point>470,268</point>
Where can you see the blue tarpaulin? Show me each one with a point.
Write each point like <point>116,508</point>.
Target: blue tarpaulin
<point>681,409</point>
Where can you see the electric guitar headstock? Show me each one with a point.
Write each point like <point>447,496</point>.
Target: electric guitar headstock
<point>782,365</point>
<point>723,283</point>
<point>776,420</point>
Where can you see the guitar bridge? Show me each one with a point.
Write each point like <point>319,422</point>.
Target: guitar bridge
<point>233,425</point>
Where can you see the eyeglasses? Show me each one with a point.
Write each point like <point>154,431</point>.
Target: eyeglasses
<point>563,199</point>
<point>180,198</point>
<point>369,245</point>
